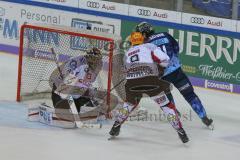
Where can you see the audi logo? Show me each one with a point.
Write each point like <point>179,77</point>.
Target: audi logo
<point>197,20</point>
<point>144,12</point>
<point>92,4</point>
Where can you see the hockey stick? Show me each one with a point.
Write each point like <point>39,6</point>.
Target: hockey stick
<point>71,103</point>
<point>100,111</point>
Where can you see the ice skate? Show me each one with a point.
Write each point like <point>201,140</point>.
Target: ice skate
<point>115,130</point>
<point>208,122</point>
<point>182,135</point>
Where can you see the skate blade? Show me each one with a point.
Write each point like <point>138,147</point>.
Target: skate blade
<point>211,127</point>
<point>112,138</point>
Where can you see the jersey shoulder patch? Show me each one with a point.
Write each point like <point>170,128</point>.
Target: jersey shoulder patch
<point>157,35</point>
<point>159,39</point>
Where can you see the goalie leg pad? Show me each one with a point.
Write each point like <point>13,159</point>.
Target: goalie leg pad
<point>59,102</point>
<point>47,115</point>
<point>81,101</point>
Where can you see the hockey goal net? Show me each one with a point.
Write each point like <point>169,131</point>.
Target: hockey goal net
<point>37,63</point>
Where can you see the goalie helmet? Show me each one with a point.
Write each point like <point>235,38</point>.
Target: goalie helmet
<point>93,57</point>
<point>136,38</point>
<point>94,51</point>
<point>145,28</point>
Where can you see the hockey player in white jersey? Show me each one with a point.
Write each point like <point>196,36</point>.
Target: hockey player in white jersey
<point>75,79</point>
<point>142,63</point>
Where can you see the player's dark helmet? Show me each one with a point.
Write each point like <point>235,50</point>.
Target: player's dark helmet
<point>145,28</point>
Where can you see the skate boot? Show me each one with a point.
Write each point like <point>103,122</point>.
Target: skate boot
<point>115,129</point>
<point>208,122</point>
<point>182,135</point>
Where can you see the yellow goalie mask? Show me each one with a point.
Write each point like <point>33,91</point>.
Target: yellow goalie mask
<point>136,38</point>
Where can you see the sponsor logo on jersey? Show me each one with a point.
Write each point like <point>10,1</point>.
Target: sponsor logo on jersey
<point>133,52</point>
<point>160,41</point>
<point>143,12</point>
<point>184,87</point>
<point>157,36</point>
<point>139,71</point>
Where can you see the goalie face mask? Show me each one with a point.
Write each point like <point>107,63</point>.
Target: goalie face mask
<point>93,57</point>
<point>94,51</point>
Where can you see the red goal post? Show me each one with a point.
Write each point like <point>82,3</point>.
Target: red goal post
<point>36,64</point>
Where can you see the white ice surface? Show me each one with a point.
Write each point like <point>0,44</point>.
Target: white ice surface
<point>23,140</point>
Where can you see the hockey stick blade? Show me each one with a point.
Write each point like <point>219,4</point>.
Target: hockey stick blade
<point>83,125</point>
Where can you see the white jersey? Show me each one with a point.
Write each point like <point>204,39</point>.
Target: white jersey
<point>78,69</point>
<point>141,60</point>
<point>77,73</point>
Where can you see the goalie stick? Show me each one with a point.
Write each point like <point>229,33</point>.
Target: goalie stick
<point>108,109</point>
<point>71,103</point>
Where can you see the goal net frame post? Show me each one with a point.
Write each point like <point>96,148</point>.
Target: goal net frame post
<point>75,32</point>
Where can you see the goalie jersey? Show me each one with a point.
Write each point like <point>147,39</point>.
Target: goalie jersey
<point>77,68</point>
<point>78,74</point>
<point>142,60</point>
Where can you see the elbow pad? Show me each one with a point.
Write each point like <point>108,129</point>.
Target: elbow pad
<point>164,64</point>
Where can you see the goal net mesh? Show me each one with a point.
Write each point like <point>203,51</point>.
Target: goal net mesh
<point>37,63</point>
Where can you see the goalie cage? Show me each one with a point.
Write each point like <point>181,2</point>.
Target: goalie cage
<point>36,62</point>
